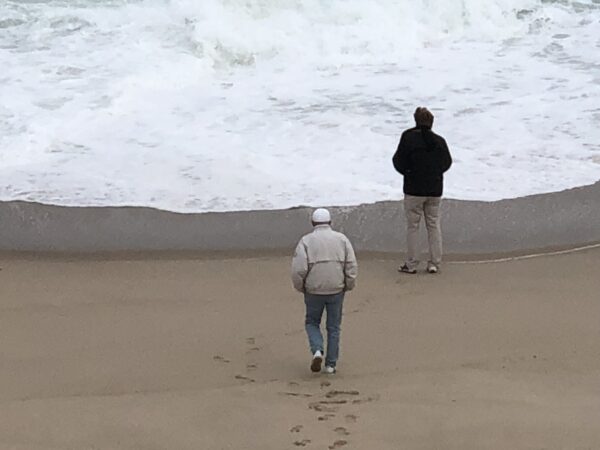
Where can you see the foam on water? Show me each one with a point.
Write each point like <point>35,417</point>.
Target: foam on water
<point>241,104</point>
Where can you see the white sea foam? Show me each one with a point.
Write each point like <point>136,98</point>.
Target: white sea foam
<point>210,105</point>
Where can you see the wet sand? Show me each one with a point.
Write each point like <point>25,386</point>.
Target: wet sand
<point>160,353</point>
<point>557,219</point>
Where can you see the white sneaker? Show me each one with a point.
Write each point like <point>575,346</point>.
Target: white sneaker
<point>329,370</point>
<point>432,268</point>
<point>317,360</point>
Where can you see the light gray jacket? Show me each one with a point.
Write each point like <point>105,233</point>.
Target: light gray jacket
<point>324,263</point>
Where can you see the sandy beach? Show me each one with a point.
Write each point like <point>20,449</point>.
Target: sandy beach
<point>210,353</point>
<point>160,161</point>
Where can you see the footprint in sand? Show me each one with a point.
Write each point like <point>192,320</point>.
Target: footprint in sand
<point>341,394</point>
<point>334,399</point>
<point>296,394</point>
<point>325,417</point>
<point>302,443</point>
<point>319,407</point>
<point>333,402</point>
<point>221,359</point>
<point>325,384</point>
<point>244,378</point>
<point>251,341</point>
<point>341,431</point>
<point>251,363</point>
<point>372,398</point>
<point>336,393</point>
<point>351,418</point>
<point>337,444</point>
<point>296,429</point>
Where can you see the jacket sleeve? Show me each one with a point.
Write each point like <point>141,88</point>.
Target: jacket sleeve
<point>400,159</point>
<point>446,158</point>
<point>350,267</point>
<point>299,267</point>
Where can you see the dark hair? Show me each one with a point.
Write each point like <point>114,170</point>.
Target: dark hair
<point>423,117</point>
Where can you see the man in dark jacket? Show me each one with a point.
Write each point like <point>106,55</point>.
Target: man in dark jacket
<point>422,157</point>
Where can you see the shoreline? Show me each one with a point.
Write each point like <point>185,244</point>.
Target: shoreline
<point>263,254</point>
<point>558,220</point>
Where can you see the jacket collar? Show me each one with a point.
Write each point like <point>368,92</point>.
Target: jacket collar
<point>323,226</point>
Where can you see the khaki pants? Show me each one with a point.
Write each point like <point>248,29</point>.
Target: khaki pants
<point>415,208</point>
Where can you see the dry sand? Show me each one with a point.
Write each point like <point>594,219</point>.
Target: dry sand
<point>211,354</point>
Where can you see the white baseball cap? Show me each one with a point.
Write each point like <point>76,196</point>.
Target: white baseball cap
<point>321,215</point>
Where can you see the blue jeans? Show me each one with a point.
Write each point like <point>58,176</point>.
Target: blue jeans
<point>315,304</point>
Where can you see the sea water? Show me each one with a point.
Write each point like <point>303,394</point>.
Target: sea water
<point>211,105</point>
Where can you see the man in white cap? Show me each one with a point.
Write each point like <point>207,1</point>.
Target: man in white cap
<point>323,268</point>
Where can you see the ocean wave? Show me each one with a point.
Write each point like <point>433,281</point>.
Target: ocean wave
<point>239,104</point>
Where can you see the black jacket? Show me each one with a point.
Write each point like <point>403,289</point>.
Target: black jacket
<point>422,157</point>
